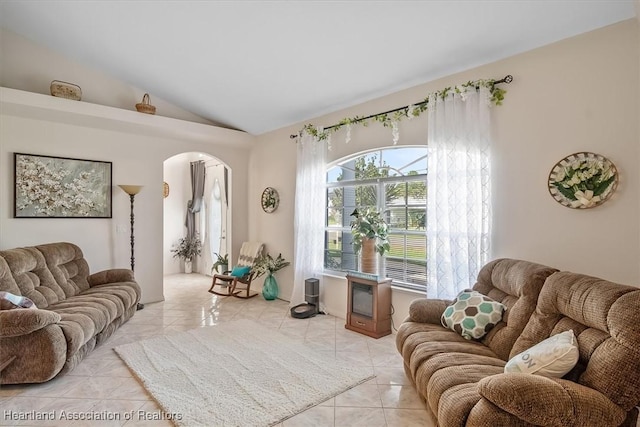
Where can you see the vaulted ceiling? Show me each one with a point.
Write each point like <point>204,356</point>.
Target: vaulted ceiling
<point>262,65</point>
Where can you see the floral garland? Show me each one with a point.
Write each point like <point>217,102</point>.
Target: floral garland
<point>391,119</point>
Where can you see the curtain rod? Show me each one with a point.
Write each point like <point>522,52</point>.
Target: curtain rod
<point>507,79</point>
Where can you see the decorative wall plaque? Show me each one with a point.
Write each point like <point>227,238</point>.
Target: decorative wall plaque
<point>583,180</point>
<point>270,200</point>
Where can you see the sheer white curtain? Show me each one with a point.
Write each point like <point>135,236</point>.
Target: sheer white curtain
<point>459,185</point>
<point>309,214</point>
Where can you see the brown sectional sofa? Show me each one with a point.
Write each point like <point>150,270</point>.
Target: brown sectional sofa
<point>464,384</point>
<point>76,311</point>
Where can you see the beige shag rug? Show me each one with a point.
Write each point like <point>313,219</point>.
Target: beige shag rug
<point>236,374</point>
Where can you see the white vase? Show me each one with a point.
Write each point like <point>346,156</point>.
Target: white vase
<point>188,266</point>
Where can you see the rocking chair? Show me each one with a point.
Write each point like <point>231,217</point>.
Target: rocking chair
<point>227,283</point>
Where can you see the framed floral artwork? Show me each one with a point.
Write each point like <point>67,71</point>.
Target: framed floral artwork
<point>61,187</point>
<point>583,180</point>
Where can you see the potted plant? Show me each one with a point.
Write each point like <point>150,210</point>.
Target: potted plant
<point>370,236</point>
<point>186,250</point>
<point>268,265</point>
<point>221,261</point>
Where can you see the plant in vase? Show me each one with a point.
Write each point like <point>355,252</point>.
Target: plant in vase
<point>187,249</point>
<point>268,265</point>
<point>370,236</point>
<point>221,261</point>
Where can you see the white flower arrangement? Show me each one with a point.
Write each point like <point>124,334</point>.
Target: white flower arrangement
<point>49,190</point>
<point>585,180</point>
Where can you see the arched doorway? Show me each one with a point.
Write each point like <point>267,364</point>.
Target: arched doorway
<point>212,223</point>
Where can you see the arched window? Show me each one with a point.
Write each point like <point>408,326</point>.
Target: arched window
<point>393,180</point>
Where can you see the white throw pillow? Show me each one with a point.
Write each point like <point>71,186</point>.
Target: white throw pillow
<point>553,357</point>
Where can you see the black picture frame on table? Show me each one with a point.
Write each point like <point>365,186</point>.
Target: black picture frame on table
<point>61,187</point>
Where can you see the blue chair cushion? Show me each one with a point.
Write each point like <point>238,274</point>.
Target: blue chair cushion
<point>240,271</point>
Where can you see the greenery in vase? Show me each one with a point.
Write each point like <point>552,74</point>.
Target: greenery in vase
<point>369,224</point>
<point>187,249</point>
<point>221,261</point>
<point>267,264</point>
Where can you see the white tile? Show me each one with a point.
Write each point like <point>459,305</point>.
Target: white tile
<point>102,382</point>
<point>359,417</point>
<point>408,418</point>
<point>318,416</point>
<point>361,396</point>
<point>400,396</point>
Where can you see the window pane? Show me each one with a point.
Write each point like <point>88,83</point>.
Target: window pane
<point>403,161</point>
<point>417,192</point>
<point>416,218</point>
<point>395,193</point>
<point>338,251</point>
<point>396,185</point>
<point>334,217</point>
<point>407,260</point>
<point>334,197</point>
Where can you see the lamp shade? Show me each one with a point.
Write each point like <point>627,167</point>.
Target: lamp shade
<point>131,189</point>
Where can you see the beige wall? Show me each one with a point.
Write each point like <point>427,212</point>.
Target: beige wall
<point>638,20</point>
<point>580,94</point>
<point>137,159</point>
<point>31,67</point>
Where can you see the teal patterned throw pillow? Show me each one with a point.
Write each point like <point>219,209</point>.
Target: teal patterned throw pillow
<point>472,314</point>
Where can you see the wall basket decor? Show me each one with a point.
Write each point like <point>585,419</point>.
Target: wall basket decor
<point>165,190</point>
<point>583,180</point>
<point>270,200</point>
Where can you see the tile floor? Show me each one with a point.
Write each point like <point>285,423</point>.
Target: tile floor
<point>103,385</point>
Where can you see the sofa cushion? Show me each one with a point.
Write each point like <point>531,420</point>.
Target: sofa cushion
<point>456,379</point>
<point>606,320</point>
<point>425,350</point>
<point>7,282</point>
<point>127,292</point>
<point>67,265</point>
<point>516,284</point>
<point>553,357</point>
<point>83,317</point>
<point>32,277</point>
<point>472,314</point>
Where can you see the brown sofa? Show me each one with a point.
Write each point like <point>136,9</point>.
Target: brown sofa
<point>464,384</point>
<point>76,311</point>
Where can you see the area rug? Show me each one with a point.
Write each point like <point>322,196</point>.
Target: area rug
<point>237,374</point>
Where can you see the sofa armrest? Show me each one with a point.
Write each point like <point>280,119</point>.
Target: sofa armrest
<point>111,276</point>
<point>23,321</point>
<point>425,310</point>
<point>549,401</point>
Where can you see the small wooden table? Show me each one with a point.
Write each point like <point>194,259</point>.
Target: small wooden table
<point>369,306</point>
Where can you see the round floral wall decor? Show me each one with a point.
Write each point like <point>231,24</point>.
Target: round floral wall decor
<point>270,200</point>
<point>583,180</point>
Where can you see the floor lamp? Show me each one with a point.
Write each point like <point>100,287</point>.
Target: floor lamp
<point>132,190</point>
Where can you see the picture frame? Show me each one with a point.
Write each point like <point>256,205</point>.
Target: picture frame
<point>61,187</point>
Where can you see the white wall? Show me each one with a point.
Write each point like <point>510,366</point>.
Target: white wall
<point>40,127</point>
<point>580,94</point>
<point>177,175</point>
<point>31,67</point>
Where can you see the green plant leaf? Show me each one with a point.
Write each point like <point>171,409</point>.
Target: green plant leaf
<point>566,192</point>
<point>600,188</point>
